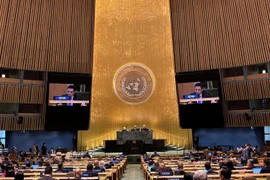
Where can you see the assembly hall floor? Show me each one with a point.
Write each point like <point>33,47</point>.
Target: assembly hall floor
<point>133,172</point>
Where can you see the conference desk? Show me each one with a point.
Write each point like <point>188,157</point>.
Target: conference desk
<point>144,136</point>
<point>57,102</point>
<point>68,101</point>
<point>199,99</point>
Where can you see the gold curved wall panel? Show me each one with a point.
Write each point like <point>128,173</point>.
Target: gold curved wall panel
<point>47,35</point>
<point>211,34</point>
<point>136,31</point>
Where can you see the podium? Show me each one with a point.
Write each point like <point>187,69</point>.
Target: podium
<point>144,136</point>
<point>134,141</point>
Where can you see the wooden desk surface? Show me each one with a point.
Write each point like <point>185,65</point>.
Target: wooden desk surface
<point>214,176</point>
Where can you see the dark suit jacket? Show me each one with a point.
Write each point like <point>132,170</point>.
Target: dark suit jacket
<point>61,170</point>
<point>46,178</point>
<point>135,129</point>
<point>196,140</point>
<point>204,94</point>
<point>210,171</point>
<point>154,169</point>
<point>265,170</point>
<point>144,129</point>
<point>75,97</point>
<point>176,172</point>
<point>99,168</point>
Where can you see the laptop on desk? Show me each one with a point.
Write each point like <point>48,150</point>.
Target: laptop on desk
<point>257,170</point>
<point>69,169</point>
<point>34,166</point>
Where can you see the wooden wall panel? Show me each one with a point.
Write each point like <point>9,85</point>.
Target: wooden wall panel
<point>11,93</point>
<point>47,35</point>
<point>245,90</point>
<point>212,34</point>
<point>239,120</point>
<point>29,123</point>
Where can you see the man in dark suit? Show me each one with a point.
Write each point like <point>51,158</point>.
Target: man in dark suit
<point>89,171</point>
<point>47,174</point>
<point>144,128</point>
<point>61,168</point>
<point>74,142</point>
<point>207,166</point>
<point>72,96</point>
<point>198,90</point>
<point>266,166</point>
<point>225,173</point>
<point>135,128</point>
<point>196,141</point>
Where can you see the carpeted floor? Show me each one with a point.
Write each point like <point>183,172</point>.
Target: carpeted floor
<point>133,172</point>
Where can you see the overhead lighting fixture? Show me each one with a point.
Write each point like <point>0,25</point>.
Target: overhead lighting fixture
<point>3,76</point>
<point>263,71</point>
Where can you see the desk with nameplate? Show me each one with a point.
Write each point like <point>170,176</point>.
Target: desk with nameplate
<point>144,136</point>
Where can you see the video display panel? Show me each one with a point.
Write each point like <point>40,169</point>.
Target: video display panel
<point>68,101</point>
<point>68,95</point>
<point>200,99</point>
<point>199,92</point>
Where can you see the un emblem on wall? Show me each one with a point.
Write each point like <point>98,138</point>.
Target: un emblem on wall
<point>134,83</point>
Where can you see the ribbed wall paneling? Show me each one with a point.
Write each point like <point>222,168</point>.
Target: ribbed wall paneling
<point>212,34</point>
<point>239,120</point>
<point>29,123</point>
<point>47,35</point>
<point>257,89</point>
<point>11,93</point>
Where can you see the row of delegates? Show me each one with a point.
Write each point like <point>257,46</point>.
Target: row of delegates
<point>144,128</point>
<point>11,171</point>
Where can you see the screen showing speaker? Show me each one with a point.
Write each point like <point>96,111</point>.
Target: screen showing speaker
<point>199,98</point>
<point>68,101</point>
<point>68,95</point>
<point>199,92</point>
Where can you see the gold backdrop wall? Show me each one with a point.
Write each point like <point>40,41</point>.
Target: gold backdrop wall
<point>137,31</point>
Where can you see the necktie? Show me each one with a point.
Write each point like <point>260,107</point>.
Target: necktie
<point>200,101</point>
<point>70,104</point>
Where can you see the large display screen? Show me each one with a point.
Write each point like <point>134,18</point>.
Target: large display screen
<point>199,92</point>
<point>68,95</point>
<point>199,98</point>
<point>68,101</point>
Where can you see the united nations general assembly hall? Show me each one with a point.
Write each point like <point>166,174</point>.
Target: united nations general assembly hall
<point>134,89</point>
